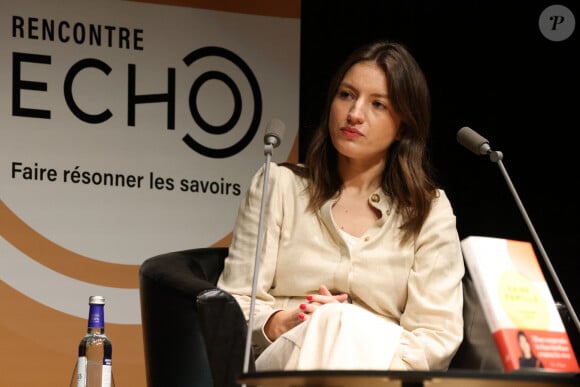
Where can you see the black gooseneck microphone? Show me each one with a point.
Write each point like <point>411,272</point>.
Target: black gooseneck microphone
<point>272,139</point>
<point>479,145</point>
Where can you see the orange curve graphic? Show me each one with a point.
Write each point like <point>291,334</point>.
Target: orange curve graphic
<point>86,269</point>
<point>287,8</point>
<point>62,260</point>
<point>65,261</point>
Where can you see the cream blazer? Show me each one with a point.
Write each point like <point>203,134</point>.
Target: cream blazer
<point>417,286</point>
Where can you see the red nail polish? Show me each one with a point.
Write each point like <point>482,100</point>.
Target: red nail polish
<point>309,298</point>
<point>302,306</point>
<point>301,316</point>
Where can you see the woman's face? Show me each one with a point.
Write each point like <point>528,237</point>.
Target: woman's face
<point>525,346</point>
<point>362,122</point>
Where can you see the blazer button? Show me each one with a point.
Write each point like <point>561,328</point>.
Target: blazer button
<point>375,198</point>
<point>388,211</point>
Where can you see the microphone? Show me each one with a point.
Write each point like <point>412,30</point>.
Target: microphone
<point>274,133</point>
<point>479,145</point>
<point>272,139</point>
<point>470,139</point>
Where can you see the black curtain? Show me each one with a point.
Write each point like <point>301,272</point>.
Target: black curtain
<point>490,68</point>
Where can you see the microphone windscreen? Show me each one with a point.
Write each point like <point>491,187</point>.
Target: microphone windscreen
<point>274,132</point>
<point>472,140</point>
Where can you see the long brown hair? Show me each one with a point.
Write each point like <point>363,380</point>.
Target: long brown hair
<point>407,175</point>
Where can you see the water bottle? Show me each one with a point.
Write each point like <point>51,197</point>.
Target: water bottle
<point>94,362</point>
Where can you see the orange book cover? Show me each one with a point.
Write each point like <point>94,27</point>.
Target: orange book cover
<point>518,306</point>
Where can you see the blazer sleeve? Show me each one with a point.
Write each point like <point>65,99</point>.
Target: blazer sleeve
<point>237,276</point>
<point>433,315</point>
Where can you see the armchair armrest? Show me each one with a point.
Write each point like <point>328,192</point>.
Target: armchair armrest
<point>224,331</point>
<point>175,352</point>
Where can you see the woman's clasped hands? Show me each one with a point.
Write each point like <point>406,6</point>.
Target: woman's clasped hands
<point>284,320</point>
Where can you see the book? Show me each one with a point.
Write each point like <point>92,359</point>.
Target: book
<point>517,303</point>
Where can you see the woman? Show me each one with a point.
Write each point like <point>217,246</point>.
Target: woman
<point>361,263</point>
<point>528,359</point>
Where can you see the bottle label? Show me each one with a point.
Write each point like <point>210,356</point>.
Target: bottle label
<point>82,371</point>
<point>96,316</point>
<point>106,376</point>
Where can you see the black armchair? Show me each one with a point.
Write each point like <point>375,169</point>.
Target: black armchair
<point>194,334</point>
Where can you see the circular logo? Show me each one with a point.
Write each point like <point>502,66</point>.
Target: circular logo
<point>522,302</point>
<point>556,23</point>
<point>231,123</point>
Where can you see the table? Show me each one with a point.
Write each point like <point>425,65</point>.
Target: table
<point>451,378</point>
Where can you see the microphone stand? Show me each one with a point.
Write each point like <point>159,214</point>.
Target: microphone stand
<point>268,149</point>
<point>496,157</point>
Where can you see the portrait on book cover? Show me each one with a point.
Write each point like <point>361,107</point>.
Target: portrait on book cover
<point>528,358</point>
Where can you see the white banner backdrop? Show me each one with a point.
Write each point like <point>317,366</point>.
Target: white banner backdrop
<point>127,130</point>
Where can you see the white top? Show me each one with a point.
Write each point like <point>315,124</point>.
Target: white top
<point>350,239</point>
